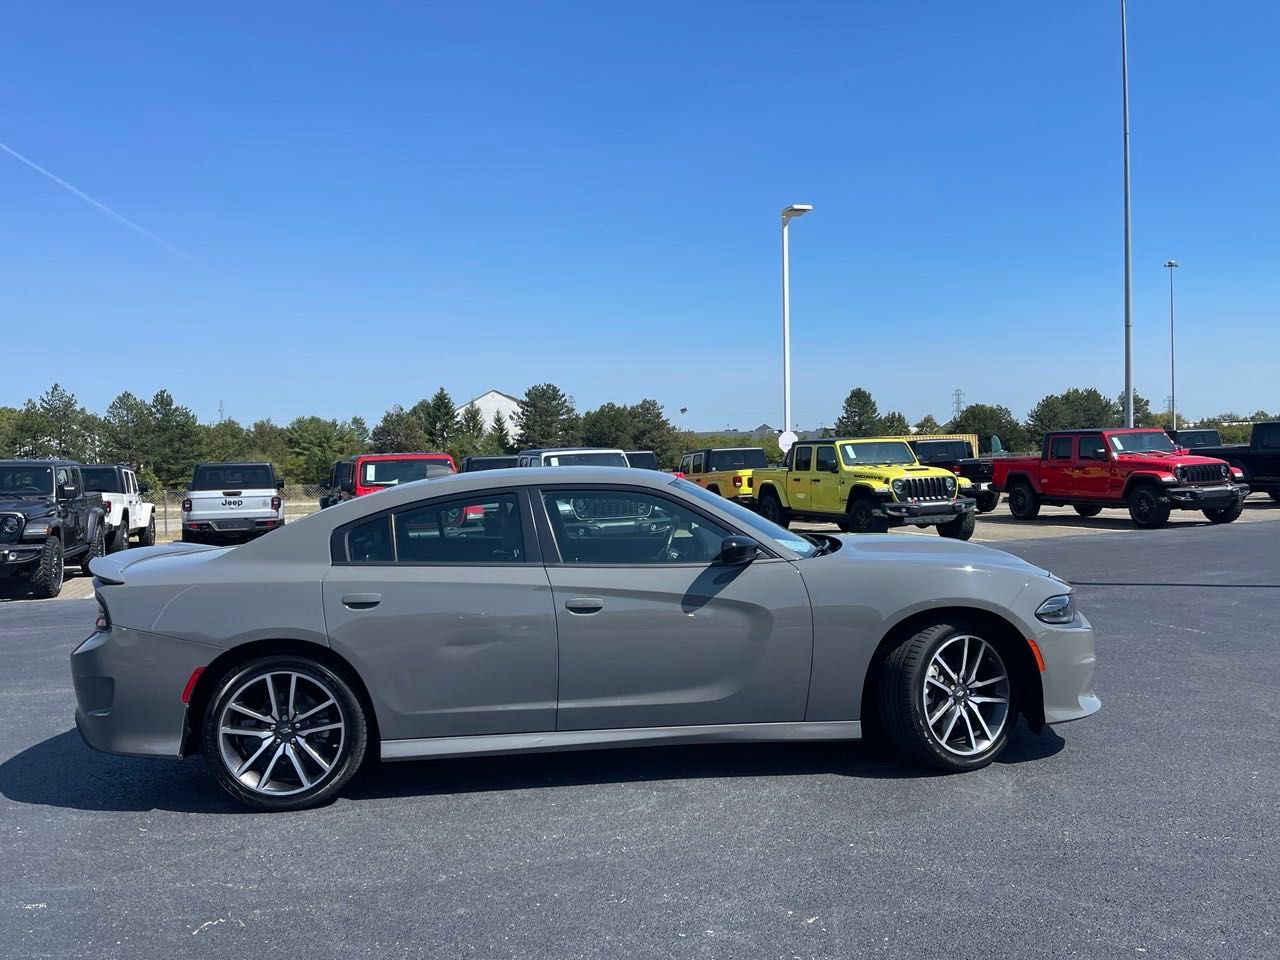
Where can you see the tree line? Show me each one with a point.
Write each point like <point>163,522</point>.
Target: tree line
<point>1074,409</point>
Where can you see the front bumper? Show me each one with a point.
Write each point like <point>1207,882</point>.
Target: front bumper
<point>129,687</point>
<point>1207,498</point>
<point>925,513</point>
<point>15,558</point>
<point>1067,680</point>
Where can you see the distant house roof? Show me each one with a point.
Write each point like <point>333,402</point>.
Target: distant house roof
<point>489,393</point>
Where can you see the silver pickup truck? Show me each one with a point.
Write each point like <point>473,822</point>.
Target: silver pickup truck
<point>231,502</point>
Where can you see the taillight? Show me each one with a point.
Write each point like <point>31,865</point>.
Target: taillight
<point>275,503</point>
<point>106,505</point>
<point>103,621</point>
<point>737,481</point>
<point>186,505</point>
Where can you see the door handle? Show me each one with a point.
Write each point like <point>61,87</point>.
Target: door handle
<point>361,601</point>
<point>816,480</point>
<point>584,605</point>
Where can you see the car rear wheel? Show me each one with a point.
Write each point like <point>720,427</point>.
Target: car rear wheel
<point>863,519</point>
<point>772,510</point>
<point>1146,508</point>
<point>147,537</point>
<point>712,488</point>
<point>988,501</point>
<point>97,547</point>
<point>46,579</point>
<point>284,733</point>
<point>945,698</point>
<point>1023,502</point>
<point>961,528</point>
<point>120,538</point>
<point>1088,511</point>
<point>1226,514</point>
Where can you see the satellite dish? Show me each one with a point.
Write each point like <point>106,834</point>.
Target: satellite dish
<point>786,439</point>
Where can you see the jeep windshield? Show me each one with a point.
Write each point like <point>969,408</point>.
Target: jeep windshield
<point>1154,441</point>
<point>876,453</point>
<point>388,473</point>
<point>233,476</point>
<point>598,458</point>
<point>101,479</point>
<point>747,459</point>
<point>26,482</point>
<point>941,451</point>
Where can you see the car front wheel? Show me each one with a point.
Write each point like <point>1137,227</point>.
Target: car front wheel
<point>46,579</point>
<point>283,733</point>
<point>1147,509</point>
<point>945,698</point>
<point>961,528</point>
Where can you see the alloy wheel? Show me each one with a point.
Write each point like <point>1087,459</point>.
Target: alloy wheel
<point>281,732</point>
<point>966,695</point>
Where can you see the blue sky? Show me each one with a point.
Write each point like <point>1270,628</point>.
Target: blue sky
<point>372,200</point>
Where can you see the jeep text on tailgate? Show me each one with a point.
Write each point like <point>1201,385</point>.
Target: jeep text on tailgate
<point>230,502</point>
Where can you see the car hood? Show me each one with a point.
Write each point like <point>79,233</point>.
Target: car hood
<point>892,471</point>
<point>930,551</point>
<point>30,507</point>
<point>1168,461</point>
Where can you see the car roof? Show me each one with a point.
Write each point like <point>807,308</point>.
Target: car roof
<point>529,453</point>
<point>234,463</point>
<point>422,454</point>
<point>1109,430</point>
<point>38,462</point>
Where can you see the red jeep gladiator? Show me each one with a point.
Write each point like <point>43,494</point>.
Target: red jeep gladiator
<point>1114,467</point>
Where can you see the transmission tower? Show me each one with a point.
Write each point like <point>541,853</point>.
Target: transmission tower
<point>957,403</point>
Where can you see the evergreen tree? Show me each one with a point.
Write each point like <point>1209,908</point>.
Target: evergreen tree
<point>437,419</point>
<point>29,432</point>
<point>894,424</point>
<point>927,424</point>
<point>609,425</point>
<point>226,440</point>
<point>498,439</point>
<point>860,416</point>
<point>399,431</point>
<point>126,427</point>
<point>173,446</point>
<point>992,421</point>
<point>653,431</point>
<point>1074,409</point>
<point>546,418</point>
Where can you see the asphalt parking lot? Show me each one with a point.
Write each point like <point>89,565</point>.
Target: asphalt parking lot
<point>1148,830</point>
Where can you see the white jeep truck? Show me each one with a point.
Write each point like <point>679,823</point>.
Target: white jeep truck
<point>232,502</point>
<point>127,514</point>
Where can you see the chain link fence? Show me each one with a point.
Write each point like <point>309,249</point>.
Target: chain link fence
<point>300,499</point>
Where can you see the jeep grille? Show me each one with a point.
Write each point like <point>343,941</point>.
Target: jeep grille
<point>1203,473</point>
<point>925,488</point>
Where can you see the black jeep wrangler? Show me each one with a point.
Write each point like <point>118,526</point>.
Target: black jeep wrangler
<point>47,518</point>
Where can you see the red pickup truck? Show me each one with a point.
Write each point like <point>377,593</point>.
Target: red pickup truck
<point>1140,469</point>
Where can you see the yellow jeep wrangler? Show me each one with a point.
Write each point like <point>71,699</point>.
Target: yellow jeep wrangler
<point>863,486</point>
<point>727,471</point>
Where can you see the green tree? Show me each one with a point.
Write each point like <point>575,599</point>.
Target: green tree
<point>894,424</point>
<point>989,421</point>
<point>173,446</point>
<point>498,439</point>
<point>360,430</point>
<point>71,431</point>
<point>546,418</point>
<point>269,441</point>
<point>29,432</point>
<point>314,445</point>
<point>1073,410</point>
<point>225,440</point>
<point>860,416</point>
<point>126,430</point>
<point>927,424</point>
<point>609,425</point>
<point>653,431</point>
<point>7,417</point>
<point>469,437</point>
<point>399,431</point>
<point>436,418</point>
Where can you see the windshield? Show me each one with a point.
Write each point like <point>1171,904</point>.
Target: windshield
<point>23,481</point>
<point>101,479</point>
<point>595,459</point>
<point>234,476</point>
<point>386,473</point>
<point>1149,441</point>
<point>941,451</point>
<point>749,519</point>
<point>1198,438</point>
<point>748,459</point>
<point>876,451</point>
<point>643,459</point>
<point>488,463</point>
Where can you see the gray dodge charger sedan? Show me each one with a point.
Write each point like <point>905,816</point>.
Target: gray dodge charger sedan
<point>564,608</point>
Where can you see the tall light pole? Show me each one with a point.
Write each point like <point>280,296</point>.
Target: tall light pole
<point>1173,370</point>
<point>788,214</point>
<point>1128,259</point>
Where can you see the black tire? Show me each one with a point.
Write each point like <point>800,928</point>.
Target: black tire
<point>46,578</point>
<point>1085,511</point>
<point>344,762</point>
<point>902,700</point>
<point>1023,502</point>
<point>961,528</point>
<point>713,488</point>
<point>987,501</point>
<point>1146,509</point>
<point>862,517</point>
<point>191,537</point>
<point>96,549</point>
<point>147,538</point>
<point>772,510</point>
<point>1226,514</point>
<point>120,539</point>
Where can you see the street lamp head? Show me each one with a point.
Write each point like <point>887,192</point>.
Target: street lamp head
<point>1171,263</point>
<point>796,210</point>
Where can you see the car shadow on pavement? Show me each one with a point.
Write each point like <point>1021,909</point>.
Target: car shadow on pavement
<point>63,772</point>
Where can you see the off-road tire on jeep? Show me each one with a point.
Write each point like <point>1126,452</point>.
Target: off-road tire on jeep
<point>988,501</point>
<point>46,578</point>
<point>1146,508</point>
<point>961,528</point>
<point>147,538</point>
<point>1024,504</point>
<point>714,488</point>
<point>1226,514</point>
<point>96,549</point>
<point>862,517</point>
<point>1087,511</point>
<point>771,509</point>
<point>120,539</point>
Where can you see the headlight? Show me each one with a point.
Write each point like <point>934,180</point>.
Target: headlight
<point>37,528</point>
<point>9,526</point>
<point>1226,471</point>
<point>898,486</point>
<point>1059,609</point>
<point>1180,473</point>
<point>951,484</point>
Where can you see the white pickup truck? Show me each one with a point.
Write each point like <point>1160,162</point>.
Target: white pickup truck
<point>127,513</point>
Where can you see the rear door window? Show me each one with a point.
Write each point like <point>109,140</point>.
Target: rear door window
<point>804,459</point>
<point>1060,448</point>
<point>487,529</point>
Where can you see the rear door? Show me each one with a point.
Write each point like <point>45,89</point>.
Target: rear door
<point>653,632</point>
<point>800,479</point>
<point>445,609</point>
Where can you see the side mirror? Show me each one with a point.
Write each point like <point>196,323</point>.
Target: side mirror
<point>280,485</point>
<point>67,491</point>
<point>144,487</point>
<point>833,468</point>
<point>347,486</point>
<point>736,551</point>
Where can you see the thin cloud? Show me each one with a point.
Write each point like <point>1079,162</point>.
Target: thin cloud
<point>71,188</point>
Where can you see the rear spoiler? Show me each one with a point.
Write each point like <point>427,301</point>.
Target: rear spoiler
<point>110,569</point>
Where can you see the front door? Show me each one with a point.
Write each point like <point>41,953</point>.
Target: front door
<point>828,491</point>
<point>1093,473</point>
<point>448,618</point>
<point>654,632</point>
